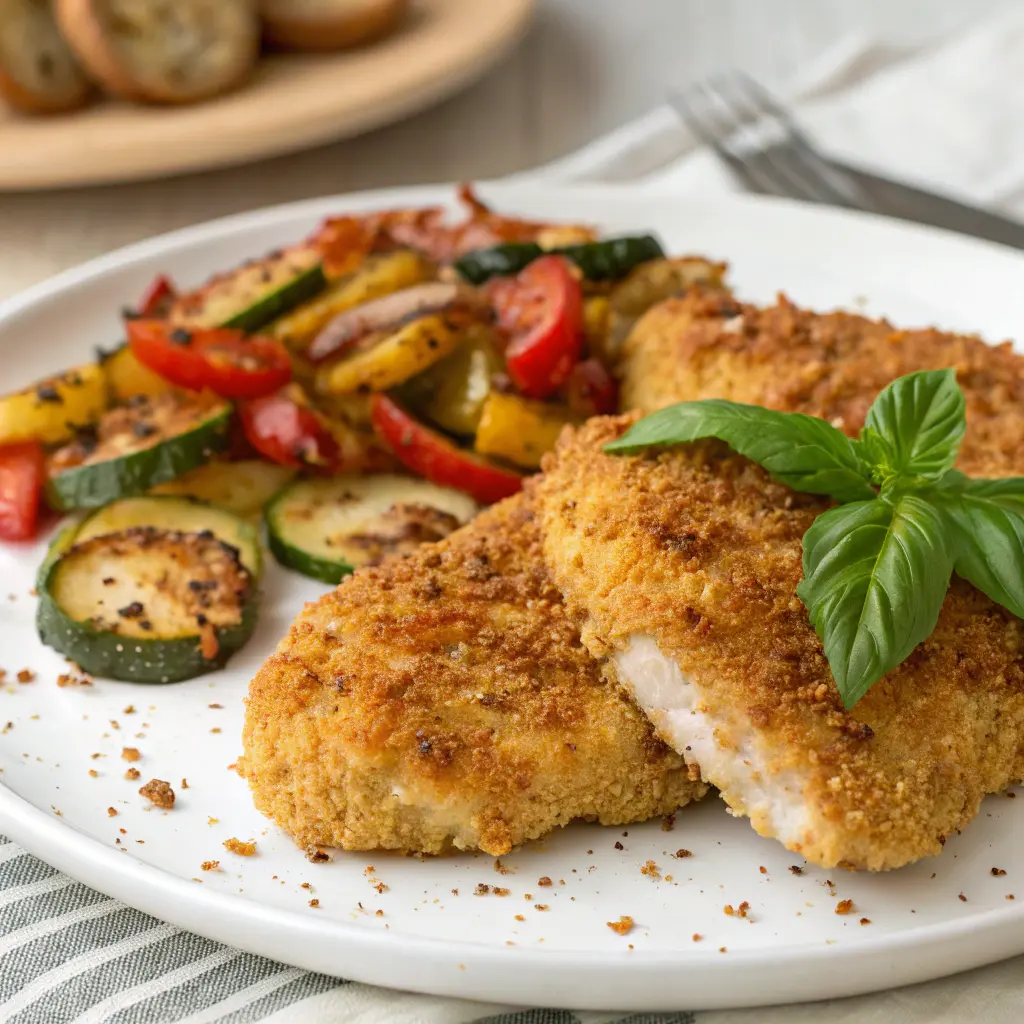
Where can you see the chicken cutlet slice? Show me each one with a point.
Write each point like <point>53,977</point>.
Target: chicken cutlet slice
<point>445,700</point>
<point>831,365</point>
<point>682,567</point>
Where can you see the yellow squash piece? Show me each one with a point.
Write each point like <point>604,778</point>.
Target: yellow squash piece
<point>378,276</point>
<point>127,377</point>
<point>596,312</point>
<point>50,409</point>
<point>381,361</point>
<point>519,429</point>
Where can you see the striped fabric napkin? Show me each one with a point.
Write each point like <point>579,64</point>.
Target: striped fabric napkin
<point>948,115</point>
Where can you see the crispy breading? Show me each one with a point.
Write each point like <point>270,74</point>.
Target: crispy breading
<point>683,567</point>
<point>708,345</point>
<point>445,700</point>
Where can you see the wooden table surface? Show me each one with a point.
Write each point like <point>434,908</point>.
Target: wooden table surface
<point>586,66</point>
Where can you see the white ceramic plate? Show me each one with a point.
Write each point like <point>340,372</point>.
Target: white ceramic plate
<point>938,917</point>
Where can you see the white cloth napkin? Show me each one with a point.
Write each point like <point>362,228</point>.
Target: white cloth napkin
<point>950,115</point>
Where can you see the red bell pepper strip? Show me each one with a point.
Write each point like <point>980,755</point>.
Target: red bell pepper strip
<point>22,473</point>
<point>431,455</point>
<point>541,312</point>
<point>288,433</point>
<point>224,360</point>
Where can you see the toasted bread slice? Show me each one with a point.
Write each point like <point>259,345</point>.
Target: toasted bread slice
<point>38,71</point>
<point>329,24</point>
<point>163,51</point>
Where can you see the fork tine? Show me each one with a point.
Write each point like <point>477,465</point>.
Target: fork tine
<point>840,188</point>
<point>693,107</point>
<point>787,158</point>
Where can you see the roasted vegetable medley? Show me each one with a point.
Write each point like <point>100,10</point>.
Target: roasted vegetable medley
<point>362,391</point>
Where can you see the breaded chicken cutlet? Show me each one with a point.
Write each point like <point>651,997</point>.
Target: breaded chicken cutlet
<point>682,568</point>
<point>445,700</point>
<point>832,365</point>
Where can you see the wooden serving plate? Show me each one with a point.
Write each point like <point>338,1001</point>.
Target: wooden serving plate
<point>293,101</point>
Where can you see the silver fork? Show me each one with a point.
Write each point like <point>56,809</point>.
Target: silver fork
<point>762,144</point>
<point>771,154</point>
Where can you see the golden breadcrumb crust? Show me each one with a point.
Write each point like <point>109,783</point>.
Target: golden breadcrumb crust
<point>445,700</point>
<point>708,345</point>
<point>701,550</point>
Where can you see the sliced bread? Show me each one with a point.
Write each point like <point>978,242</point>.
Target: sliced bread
<point>163,51</point>
<point>38,71</point>
<point>329,24</point>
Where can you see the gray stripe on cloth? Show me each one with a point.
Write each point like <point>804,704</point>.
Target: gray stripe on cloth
<point>306,987</point>
<point>22,870</point>
<point>23,965</point>
<point>683,1017</point>
<point>56,923</point>
<point>45,905</point>
<point>531,1017</point>
<point>137,966</point>
<point>198,993</point>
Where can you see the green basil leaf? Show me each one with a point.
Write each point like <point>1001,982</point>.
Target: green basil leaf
<point>986,520</point>
<point>915,426</point>
<point>803,452</point>
<point>875,576</point>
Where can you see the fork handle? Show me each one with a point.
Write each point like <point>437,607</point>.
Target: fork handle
<point>909,203</point>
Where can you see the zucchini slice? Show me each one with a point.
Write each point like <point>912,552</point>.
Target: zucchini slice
<point>607,260</point>
<point>135,447</point>
<point>51,409</point>
<point>240,487</point>
<point>145,604</point>
<point>326,528</point>
<point>254,294</point>
<point>177,513</point>
<point>379,361</point>
<point>376,277</point>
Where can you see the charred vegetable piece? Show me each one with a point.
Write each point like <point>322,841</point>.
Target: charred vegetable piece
<point>519,429</point>
<point>222,360</point>
<point>453,391</point>
<point>541,313</point>
<point>608,260</point>
<point>378,276</point>
<point>253,295</point>
<point>146,604</point>
<point>174,513</point>
<point>240,487</point>
<point>22,472</point>
<point>328,528</point>
<point>49,410</point>
<point>382,360</point>
<point>591,390</point>
<point>136,446</point>
<point>430,454</point>
<point>647,285</point>
<point>392,312</point>
<point>158,297</point>
<point>127,377</point>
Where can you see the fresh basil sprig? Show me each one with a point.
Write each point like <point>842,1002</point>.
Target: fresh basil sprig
<point>877,566</point>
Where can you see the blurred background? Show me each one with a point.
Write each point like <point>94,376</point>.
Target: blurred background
<point>582,68</point>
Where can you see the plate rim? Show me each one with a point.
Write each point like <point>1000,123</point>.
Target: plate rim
<point>498,974</point>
